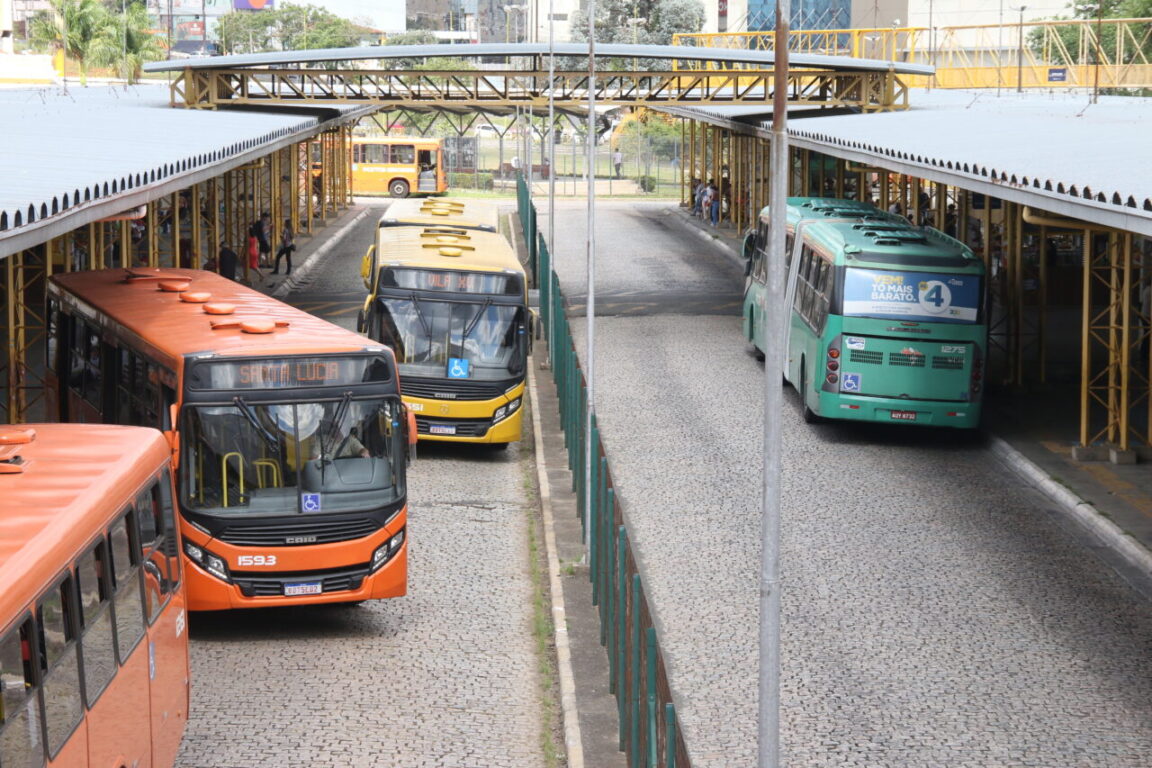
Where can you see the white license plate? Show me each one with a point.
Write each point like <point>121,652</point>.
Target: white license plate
<point>441,429</point>
<point>904,415</point>
<point>306,588</point>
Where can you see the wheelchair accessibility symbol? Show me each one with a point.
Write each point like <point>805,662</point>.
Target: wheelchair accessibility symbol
<point>458,368</point>
<point>850,383</point>
<point>310,502</point>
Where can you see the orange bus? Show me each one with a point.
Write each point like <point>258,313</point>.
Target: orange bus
<point>93,628</point>
<point>397,167</point>
<point>290,440</point>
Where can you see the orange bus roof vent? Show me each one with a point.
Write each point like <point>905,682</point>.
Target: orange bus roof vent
<point>219,308</point>
<point>251,325</point>
<point>175,286</point>
<point>195,297</point>
<point>12,466</point>
<point>16,436</point>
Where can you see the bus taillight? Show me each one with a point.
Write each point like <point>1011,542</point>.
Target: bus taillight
<point>832,378</point>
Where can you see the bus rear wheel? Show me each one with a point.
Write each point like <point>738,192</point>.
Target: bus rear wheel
<point>398,188</point>
<point>806,413</point>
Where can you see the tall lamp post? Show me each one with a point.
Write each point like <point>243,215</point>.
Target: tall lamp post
<point>508,11</point>
<point>1020,49</point>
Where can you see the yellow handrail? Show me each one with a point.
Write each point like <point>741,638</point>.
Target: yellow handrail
<point>224,472</point>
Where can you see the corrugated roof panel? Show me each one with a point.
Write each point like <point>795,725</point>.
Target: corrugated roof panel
<point>66,146</point>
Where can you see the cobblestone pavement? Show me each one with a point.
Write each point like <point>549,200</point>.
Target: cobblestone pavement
<point>443,678</point>
<point>935,612</point>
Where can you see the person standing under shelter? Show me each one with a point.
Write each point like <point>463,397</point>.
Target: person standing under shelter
<point>287,246</point>
<point>515,164</point>
<point>261,231</point>
<point>618,161</point>
<point>227,260</point>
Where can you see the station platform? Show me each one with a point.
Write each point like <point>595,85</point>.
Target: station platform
<point>1034,433</point>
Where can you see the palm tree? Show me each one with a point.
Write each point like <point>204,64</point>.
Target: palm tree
<point>127,44</point>
<point>73,26</point>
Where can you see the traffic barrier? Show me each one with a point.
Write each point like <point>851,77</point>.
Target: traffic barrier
<point>649,733</point>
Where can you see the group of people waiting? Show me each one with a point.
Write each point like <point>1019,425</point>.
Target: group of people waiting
<point>706,201</point>
<point>259,250</point>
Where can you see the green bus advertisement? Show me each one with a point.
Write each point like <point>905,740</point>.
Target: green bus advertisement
<point>887,320</point>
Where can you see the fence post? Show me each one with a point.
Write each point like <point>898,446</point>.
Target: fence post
<point>606,549</point>
<point>634,718</point>
<point>592,498</point>
<point>616,658</point>
<point>650,690</point>
<point>669,736</point>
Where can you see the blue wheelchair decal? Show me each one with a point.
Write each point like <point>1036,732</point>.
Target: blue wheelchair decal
<point>458,368</point>
<point>850,383</point>
<point>310,502</point>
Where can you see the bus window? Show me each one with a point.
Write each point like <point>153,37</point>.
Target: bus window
<point>62,707</point>
<point>427,159</point>
<point>169,544</point>
<point>52,337</point>
<point>151,528</point>
<point>20,745</point>
<point>97,645</point>
<point>403,154</point>
<point>126,580</point>
<point>93,368</point>
<point>375,154</point>
<point>357,153</point>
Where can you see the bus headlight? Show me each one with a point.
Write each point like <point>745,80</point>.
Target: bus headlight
<point>214,564</point>
<point>387,550</point>
<point>506,410</point>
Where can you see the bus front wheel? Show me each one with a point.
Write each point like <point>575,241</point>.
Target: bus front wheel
<point>398,188</point>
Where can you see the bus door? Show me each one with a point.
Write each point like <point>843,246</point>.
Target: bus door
<point>428,163</point>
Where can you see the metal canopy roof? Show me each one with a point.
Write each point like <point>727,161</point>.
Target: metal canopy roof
<point>77,155</point>
<point>1052,151</point>
<point>609,50</point>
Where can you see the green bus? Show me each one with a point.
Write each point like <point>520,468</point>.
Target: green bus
<point>887,321</point>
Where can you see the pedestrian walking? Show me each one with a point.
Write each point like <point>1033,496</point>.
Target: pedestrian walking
<point>618,161</point>
<point>287,246</point>
<point>260,232</point>
<point>714,200</point>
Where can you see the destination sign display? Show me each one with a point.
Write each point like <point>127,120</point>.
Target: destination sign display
<point>288,373</point>
<point>491,283</point>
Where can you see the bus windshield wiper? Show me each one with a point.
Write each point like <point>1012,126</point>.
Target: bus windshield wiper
<point>420,315</point>
<point>476,319</point>
<point>337,419</point>
<point>246,410</point>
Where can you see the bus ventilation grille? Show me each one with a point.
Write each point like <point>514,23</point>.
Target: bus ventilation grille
<point>315,532</point>
<point>866,358</point>
<point>948,363</point>
<point>906,360</point>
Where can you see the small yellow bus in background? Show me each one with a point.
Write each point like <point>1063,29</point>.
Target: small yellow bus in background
<point>398,167</point>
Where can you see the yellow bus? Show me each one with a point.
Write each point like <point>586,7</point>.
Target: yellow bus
<point>458,213</point>
<point>398,167</point>
<point>452,305</point>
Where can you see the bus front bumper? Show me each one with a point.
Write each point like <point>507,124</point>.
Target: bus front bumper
<point>482,421</point>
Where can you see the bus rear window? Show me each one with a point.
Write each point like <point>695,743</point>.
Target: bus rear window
<point>916,296</point>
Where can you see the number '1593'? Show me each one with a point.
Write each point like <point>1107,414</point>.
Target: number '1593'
<point>244,560</point>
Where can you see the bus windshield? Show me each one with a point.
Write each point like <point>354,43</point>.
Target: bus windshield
<point>251,458</point>
<point>911,296</point>
<point>455,340</point>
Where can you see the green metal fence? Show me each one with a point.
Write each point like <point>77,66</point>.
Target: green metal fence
<point>649,733</point>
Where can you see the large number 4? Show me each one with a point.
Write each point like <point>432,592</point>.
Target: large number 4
<point>935,295</point>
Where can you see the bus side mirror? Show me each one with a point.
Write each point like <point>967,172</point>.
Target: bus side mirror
<point>410,415</point>
<point>748,250</point>
<point>366,267</point>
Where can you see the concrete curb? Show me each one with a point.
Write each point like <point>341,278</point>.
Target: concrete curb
<point>290,283</point>
<point>573,745</point>
<point>1080,511</point>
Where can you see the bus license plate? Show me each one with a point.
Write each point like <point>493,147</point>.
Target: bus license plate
<point>306,588</point>
<point>904,415</point>
<point>442,429</point>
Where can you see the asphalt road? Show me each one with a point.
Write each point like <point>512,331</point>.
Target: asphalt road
<point>935,611</point>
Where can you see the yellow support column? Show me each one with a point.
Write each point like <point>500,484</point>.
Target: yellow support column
<point>1086,338</point>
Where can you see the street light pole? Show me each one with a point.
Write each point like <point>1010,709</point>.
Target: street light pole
<point>1020,50</point>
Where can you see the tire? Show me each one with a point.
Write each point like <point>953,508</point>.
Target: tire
<point>806,413</point>
<point>398,188</point>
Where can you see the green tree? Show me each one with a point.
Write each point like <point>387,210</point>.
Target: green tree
<point>77,27</point>
<point>127,43</point>
<point>289,27</point>
<point>661,20</point>
<point>245,31</point>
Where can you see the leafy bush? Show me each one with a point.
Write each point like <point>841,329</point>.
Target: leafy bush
<point>646,183</point>
<point>481,180</point>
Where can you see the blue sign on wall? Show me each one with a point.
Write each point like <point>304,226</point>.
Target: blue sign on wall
<point>1057,74</point>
